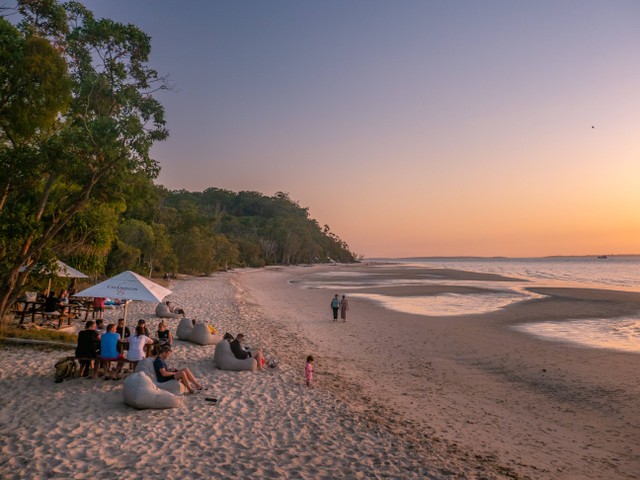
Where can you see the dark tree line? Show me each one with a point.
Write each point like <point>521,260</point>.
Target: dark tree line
<point>203,232</point>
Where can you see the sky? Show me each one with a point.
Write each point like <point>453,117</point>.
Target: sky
<point>411,128</point>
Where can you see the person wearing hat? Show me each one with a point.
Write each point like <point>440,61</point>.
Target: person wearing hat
<point>145,330</point>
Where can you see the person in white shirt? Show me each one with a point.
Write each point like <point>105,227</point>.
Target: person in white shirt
<point>137,345</point>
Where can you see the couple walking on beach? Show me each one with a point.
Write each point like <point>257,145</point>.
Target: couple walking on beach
<point>341,305</point>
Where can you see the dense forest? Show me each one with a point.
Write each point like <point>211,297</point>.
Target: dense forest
<point>78,118</point>
<point>203,232</point>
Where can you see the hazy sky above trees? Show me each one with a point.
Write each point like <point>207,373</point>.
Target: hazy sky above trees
<point>410,127</point>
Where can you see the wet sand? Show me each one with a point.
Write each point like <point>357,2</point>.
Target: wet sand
<point>476,388</point>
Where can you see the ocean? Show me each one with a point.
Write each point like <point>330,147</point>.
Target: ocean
<point>613,272</point>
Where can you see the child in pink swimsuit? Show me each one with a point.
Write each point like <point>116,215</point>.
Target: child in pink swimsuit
<point>308,370</point>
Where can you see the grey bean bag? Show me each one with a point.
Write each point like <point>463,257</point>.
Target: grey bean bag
<point>185,327</point>
<point>172,386</point>
<point>226,360</point>
<point>140,392</point>
<point>163,311</point>
<point>201,335</point>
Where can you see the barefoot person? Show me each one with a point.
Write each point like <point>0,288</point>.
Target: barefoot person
<point>241,353</point>
<point>335,306</point>
<point>344,308</point>
<point>308,370</point>
<point>164,374</point>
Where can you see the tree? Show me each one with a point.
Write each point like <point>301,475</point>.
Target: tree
<point>77,136</point>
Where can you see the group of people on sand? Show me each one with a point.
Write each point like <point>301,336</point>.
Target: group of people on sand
<point>338,305</point>
<point>98,345</point>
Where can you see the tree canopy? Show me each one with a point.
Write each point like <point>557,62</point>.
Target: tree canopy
<point>77,121</point>
<point>204,232</point>
<point>78,118</point>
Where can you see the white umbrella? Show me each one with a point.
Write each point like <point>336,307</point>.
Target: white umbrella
<point>127,286</point>
<point>64,270</point>
<point>60,270</point>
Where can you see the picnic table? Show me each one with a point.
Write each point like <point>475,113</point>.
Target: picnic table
<point>25,306</point>
<point>36,307</point>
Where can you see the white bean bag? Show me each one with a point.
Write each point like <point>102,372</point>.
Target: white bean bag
<point>172,386</point>
<point>226,360</point>
<point>163,311</point>
<point>140,392</point>
<point>184,329</point>
<point>201,334</point>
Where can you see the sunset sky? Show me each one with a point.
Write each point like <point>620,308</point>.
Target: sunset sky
<point>411,128</point>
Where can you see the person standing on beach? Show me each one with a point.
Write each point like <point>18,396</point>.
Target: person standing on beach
<point>98,307</point>
<point>335,306</point>
<point>308,370</point>
<point>344,308</point>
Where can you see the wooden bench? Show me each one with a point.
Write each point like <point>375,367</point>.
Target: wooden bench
<point>100,363</point>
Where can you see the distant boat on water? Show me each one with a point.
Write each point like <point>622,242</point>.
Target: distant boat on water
<point>602,257</point>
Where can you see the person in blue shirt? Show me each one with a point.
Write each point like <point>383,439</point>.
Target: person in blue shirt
<point>109,352</point>
<point>335,306</point>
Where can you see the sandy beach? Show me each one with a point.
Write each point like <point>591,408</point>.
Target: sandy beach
<point>395,395</point>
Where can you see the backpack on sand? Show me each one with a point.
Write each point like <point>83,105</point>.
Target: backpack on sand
<point>65,368</point>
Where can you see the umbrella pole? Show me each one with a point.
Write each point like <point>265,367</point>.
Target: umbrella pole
<point>124,316</point>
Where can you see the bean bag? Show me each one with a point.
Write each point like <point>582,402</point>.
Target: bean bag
<point>172,386</point>
<point>201,334</point>
<point>184,329</point>
<point>163,311</point>
<point>226,360</point>
<point>140,392</point>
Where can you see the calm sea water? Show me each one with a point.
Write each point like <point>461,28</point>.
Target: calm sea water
<point>614,272</point>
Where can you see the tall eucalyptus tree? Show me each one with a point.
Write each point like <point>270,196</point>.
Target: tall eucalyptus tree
<point>77,121</point>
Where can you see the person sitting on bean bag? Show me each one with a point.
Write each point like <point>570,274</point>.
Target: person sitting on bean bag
<point>240,353</point>
<point>163,310</point>
<point>164,374</point>
<point>140,392</point>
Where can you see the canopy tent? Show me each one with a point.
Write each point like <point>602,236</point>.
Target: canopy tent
<point>127,286</point>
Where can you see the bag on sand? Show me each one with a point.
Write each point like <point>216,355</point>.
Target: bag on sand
<point>65,368</point>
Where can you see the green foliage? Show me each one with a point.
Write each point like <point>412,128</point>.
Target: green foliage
<point>77,122</point>
<point>217,229</point>
<point>38,334</point>
<point>34,84</point>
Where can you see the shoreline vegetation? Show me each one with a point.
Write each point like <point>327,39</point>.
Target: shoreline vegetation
<point>395,395</point>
